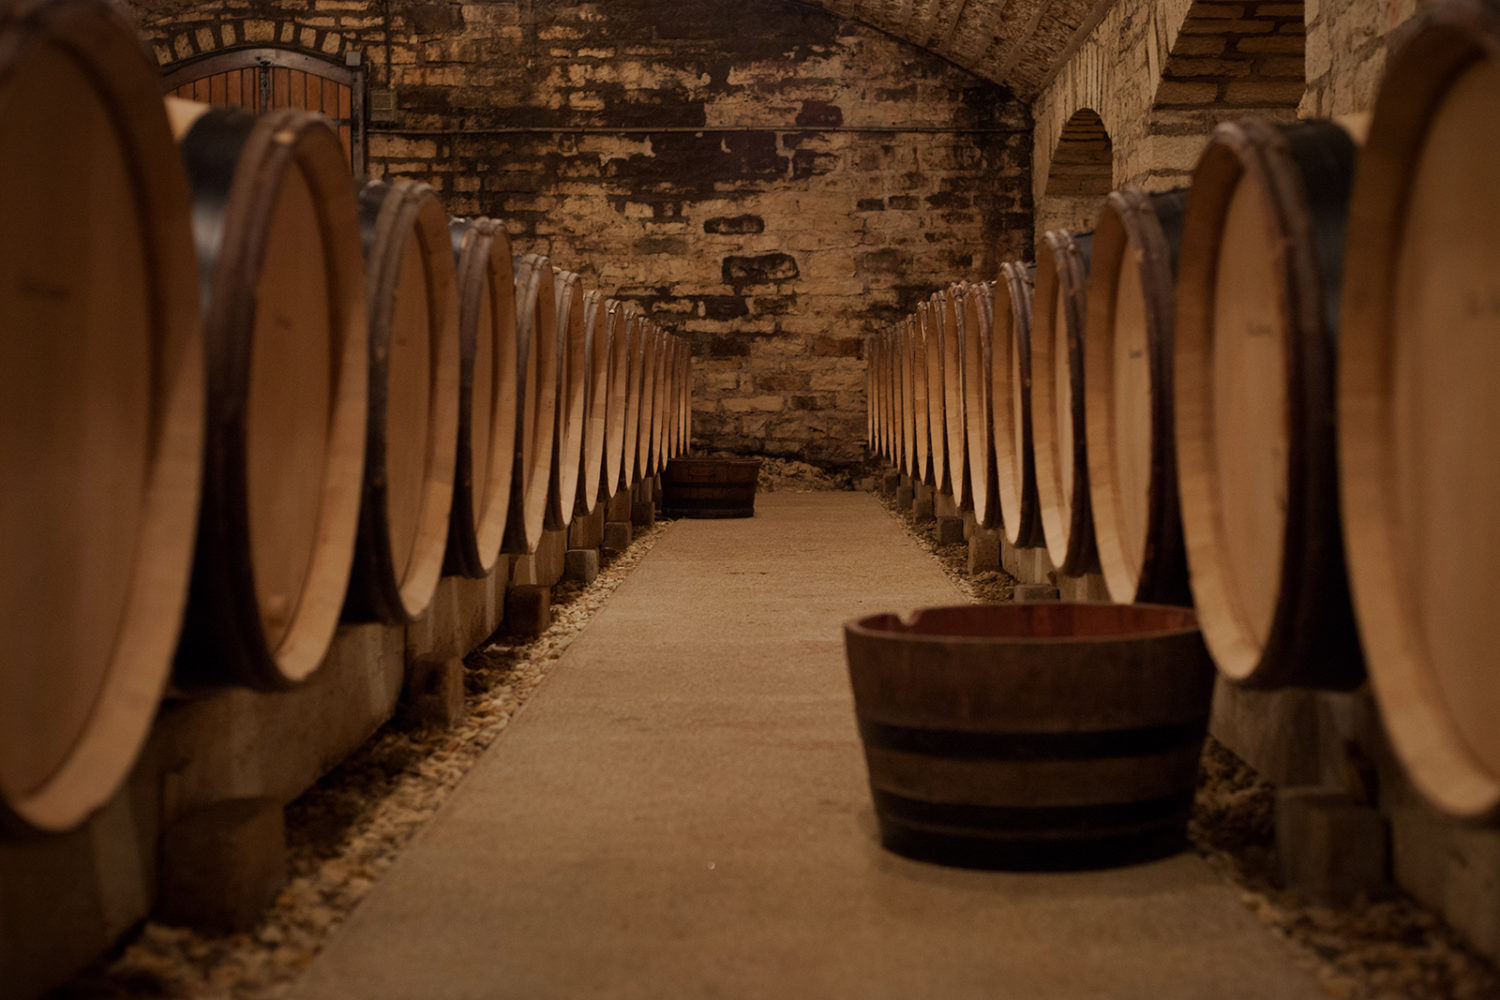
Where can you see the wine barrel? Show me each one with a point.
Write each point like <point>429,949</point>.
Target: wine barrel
<point>597,364</point>
<point>979,427</point>
<point>1419,421</point>
<point>488,396</point>
<point>1257,318</point>
<point>1010,386</point>
<point>685,442</point>
<point>618,333</point>
<point>287,343</point>
<point>1057,400</point>
<point>682,367</point>
<point>663,401</point>
<point>411,441</point>
<point>650,346</point>
<point>709,487</point>
<point>572,400</point>
<point>880,346</point>
<point>101,401</point>
<point>1132,451</point>
<point>1031,735</point>
<point>536,417</point>
<point>635,326</point>
<point>954,416</point>
<point>872,408</point>
<point>895,369</point>
<point>930,317</point>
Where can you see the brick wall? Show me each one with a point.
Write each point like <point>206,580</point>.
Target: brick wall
<point>770,180</point>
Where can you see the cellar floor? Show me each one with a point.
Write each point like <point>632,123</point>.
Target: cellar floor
<point>681,812</point>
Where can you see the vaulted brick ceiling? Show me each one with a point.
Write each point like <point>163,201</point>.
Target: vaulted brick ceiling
<point>1015,42</point>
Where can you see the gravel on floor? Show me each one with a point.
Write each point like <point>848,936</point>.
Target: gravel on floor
<point>349,828</point>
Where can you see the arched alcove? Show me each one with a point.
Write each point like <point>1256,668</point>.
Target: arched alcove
<point>1081,173</point>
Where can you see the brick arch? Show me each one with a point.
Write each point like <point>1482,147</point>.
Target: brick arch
<point>1080,174</point>
<point>177,41</point>
<point>1228,60</point>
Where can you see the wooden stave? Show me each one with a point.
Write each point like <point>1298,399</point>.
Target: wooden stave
<point>635,363</point>
<point>650,344</point>
<point>1448,42</point>
<point>969,719</point>
<point>1062,268</point>
<point>620,345</point>
<point>1020,510</point>
<point>929,315</point>
<point>954,418</point>
<point>390,214</point>
<point>1312,640</point>
<point>536,424</point>
<point>659,415</point>
<point>916,345</point>
<point>237,163</point>
<point>979,440</point>
<point>684,381</point>
<point>1144,230</point>
<point>572,401</point>
<point>673,365</point>
<point>484,265</point>
<point>83,777</point>
<point>597,347</point>
<point>895,366</point>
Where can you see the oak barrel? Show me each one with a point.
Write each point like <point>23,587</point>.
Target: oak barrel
<point>571,419</point>
<point>1010,407</point>
<point>1257,327</point>
<point>488,398</point>
<point>661,416</point>
<point>635,325</point>
<point>287,341</point>
<point>618,334</point>
<point>979,426</point>
<point>930,318</point>
<point>1419,418</point>
<point>1031,735</point>
<point>954,400</point>
<point>1132,452</point>
<point>101,401</point>
<point>411,441</point>
<point>536,418</point>
<point>645,466</point>
<point>914,386</point>
<point>1060,448</point>
<point>709,487</point>
<point>597,359</point>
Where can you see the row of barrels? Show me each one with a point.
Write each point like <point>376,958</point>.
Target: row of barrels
<point>244,399</point>
<point>1269,395</point>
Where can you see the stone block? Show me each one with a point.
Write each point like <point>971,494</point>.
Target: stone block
<point>528,610</point>
<point>1034,593</point>
<point>905,497</point>
<point>581,565</point>
<point>434,694</point>
<point>890,483</point>
<point>616,536</point>
<point>949,530</point>
<point>944,505</point>
<point>1331,847</point>
<point>643,515</point>
<point>984,551</point>
<point>223,864</point>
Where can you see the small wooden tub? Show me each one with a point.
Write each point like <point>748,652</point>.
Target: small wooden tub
<point>710,487</point>
<point>1040,736</point>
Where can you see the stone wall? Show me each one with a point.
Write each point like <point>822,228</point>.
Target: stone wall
<point>1160,74</point>
<point>770,180</point>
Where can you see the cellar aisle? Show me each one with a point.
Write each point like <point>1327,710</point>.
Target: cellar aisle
<point>681,811</point>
